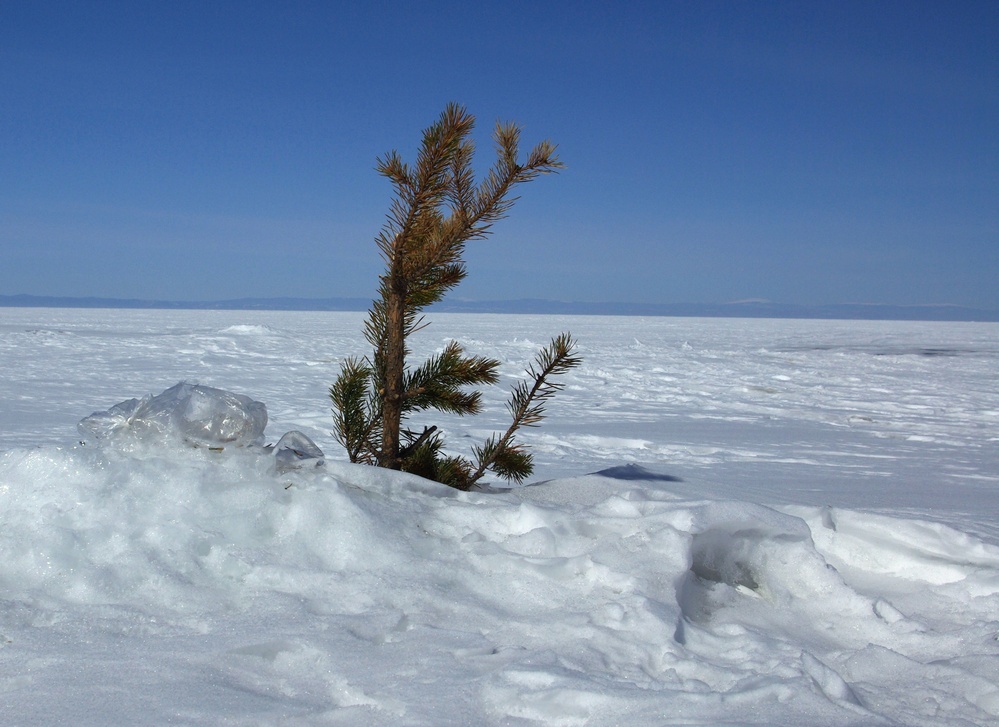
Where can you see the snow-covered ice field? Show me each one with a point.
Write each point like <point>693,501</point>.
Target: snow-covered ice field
<point>733,522</point>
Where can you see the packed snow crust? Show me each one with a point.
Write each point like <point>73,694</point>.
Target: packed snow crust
<point>161,583</point>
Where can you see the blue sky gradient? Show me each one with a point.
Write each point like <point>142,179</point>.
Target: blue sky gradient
<point>799,152</point>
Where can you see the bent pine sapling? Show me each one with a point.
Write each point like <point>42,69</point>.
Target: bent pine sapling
<point>438,208</point>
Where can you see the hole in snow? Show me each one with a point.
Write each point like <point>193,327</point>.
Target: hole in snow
<point>730,562</point>
<point>716,557</point>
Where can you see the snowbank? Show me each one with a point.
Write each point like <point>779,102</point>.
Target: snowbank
<point>152,585</point>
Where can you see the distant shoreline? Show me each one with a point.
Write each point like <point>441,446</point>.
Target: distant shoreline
<point>738,309</point>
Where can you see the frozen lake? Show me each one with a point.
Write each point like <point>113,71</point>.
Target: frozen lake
<point>868,450</point>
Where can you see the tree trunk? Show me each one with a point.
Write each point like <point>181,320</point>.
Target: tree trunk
<point>392,397</point>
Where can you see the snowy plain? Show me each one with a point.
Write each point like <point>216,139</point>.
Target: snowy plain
<point>732,522</point>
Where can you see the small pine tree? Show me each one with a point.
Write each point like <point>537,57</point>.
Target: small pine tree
<point>438,208</point>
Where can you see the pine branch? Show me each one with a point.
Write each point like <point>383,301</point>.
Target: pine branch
<point>438,383</point>
<point>527,406</point>
<point>417,442</point>
<point>353,419</point>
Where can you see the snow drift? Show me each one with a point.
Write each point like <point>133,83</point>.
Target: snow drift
<point>205,586</point>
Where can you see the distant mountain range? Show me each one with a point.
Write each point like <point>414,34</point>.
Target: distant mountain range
<point>737,309</point>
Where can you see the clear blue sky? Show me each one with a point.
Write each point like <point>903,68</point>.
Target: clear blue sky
<point>801,152</point>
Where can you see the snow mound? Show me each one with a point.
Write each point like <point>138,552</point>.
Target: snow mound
<point>247,329</point>
<point>352,595</point>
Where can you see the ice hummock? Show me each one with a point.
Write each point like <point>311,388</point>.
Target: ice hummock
<point>200,416</point>
<point>296,451</point>
<point>192,413</point>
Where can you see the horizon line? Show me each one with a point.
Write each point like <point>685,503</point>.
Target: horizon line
<point>744,308</point>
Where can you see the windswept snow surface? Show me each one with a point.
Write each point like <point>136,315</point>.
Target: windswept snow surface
<point>738,522</point>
